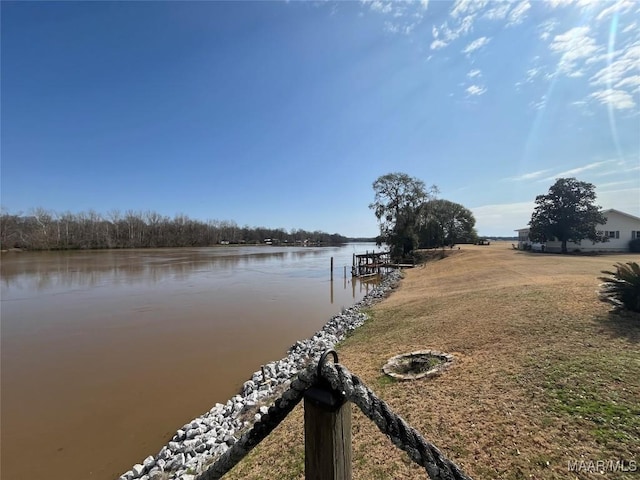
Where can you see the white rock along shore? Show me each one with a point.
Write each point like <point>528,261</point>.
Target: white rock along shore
<point>200,442</point>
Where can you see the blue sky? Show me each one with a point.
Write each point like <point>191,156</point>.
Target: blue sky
<point>282,114</point>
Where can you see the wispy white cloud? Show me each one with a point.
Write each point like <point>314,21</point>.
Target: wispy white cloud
<point>502,219</point>
<point>381,7</point>
<point>575,46</point>
<point>391,27</point>
<point>584,4</point>
<point>623,199</point>
<point>616,184</point>
<point>618,99</point>
<point>621,6</point>
<point>467,7</point>
<point>614,84</point>
<point>438,44</point>
<point>621,168</point>
<point>584,107</point>
<point>476,90</point>
<point>444,35</point>
<point>519,13</point>
<point>558,3</point>
<point>540,104</point>
<point>632,82</point>
<point>408,29</point>
<point>532,73</point>
<point>402,17</point>
<point>459,24</point>
<point>528,176</point>
<point>547,27</point>
<point>617,70</point>
<point>579,51</point>
<point>477,44</point>
<point>405,29</point>
<point>463,28</point>
<point>498,11</point>
<point>575,171</point>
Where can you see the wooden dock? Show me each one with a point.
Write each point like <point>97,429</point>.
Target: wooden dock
<point>369,264</point>
<point>372,264</point>
<point>399,265</point>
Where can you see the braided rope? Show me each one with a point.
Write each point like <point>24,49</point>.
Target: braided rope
<point>262,428</point>
<point>402,435</point>
<point>422,452</point>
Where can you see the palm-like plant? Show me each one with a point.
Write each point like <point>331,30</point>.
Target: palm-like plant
<point>622,287</point>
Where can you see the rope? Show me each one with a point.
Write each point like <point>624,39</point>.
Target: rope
<point>425,454</point>
<point>262,428</point>
<point>402,435</point>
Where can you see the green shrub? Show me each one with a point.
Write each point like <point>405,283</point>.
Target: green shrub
<point>622,287</point>
<point>634,245</point>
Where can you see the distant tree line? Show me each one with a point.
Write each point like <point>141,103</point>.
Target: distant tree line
<point>410,216</point>
<point>48,230</point>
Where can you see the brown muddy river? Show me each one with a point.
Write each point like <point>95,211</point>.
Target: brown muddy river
<point>104,354</point>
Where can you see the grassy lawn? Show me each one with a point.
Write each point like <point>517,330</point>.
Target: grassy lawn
<point>543,375</point>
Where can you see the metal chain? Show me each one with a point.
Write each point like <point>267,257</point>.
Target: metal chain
<point>425,454</point>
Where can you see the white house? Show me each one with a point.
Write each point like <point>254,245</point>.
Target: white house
<point>619,229</point>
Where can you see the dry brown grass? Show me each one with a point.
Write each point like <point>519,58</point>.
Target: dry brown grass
<point>543,374</point>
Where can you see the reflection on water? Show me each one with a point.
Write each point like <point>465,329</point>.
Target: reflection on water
<point>43,271</point>
<point>112,351</point>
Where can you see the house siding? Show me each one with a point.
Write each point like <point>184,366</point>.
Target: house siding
<point>626,227</point>
<point>523,238</point>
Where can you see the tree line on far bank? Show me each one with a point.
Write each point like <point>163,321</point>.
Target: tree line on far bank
<point>44,229</point>
<point>411,216</point>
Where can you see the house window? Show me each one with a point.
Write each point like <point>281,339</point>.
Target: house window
<point>613,234</point>
<point>635,234</point>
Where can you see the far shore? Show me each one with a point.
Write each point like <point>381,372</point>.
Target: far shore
<point>217,245</point>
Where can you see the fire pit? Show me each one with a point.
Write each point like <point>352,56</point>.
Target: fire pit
<point>419,364</point>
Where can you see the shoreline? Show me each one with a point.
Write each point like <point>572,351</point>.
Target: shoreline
<point>544,374</point>
<point>204,439</point>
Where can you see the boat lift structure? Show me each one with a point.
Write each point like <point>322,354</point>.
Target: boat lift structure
<point>370,264</point>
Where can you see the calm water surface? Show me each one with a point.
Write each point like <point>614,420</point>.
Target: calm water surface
<point>105,354</point>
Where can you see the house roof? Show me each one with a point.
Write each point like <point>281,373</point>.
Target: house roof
<point>526,229</point>
<point>613,210</point>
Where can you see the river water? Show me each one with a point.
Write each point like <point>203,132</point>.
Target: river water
<point>104,354</point>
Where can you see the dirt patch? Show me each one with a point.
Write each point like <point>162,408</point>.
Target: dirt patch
<point>544,376</point>
<point>417,365</point>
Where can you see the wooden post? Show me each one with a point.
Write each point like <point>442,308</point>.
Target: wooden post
<point>327,442</point>
<point>331,290</point>
<point>345,272</point>
<point>331,268</point>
